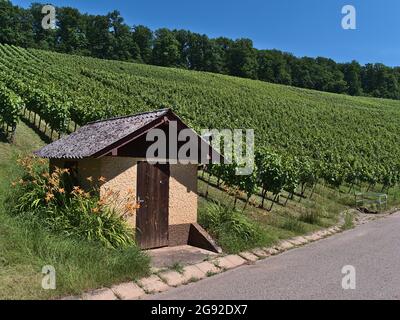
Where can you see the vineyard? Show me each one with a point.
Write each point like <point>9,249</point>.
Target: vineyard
<point>302,136</point>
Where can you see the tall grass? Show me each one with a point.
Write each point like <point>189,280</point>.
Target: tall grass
<point>25,247</point>
<point>348,221</point>
<point>293,224</point>
<point>233,231</point>
<point>310,216</point>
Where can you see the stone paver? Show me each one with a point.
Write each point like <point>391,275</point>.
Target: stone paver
<point>153,284</point>
<point>323,233</point>
<point>100,294</point>
<point>128,291</point>
<point>223,263</point>
<point>193,272</point>
<point>208,267</point>
<point>249,256</point>
<point>236,260</point>
<point>260,253</point>
<point>185,255</point>
<point>334,229</point>
<point>230,262</point>
<point>271,251</point>
<point>320,235</point>
<point>298,241</point>
<point>284,245</point>
<point>313,237</point>
<point>155,269</point>
<point>172,278</point>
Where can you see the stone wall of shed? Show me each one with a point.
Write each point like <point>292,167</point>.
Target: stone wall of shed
<point>120,174</point>
<point>55,163</point>
<point>89,168</point>
<point>86,168</point>
<point>182,202</point>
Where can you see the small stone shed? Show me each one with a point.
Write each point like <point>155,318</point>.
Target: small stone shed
<point>116,150</point>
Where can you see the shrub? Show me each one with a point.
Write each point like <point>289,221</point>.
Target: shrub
<point>52,200</point>
<point>232,229</point>
<point>310,216</point>
<point>348,221</point>
<point>292,224</point>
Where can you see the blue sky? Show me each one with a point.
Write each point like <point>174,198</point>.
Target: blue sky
<point>302,27</point>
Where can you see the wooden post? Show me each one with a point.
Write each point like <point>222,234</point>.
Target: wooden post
<point>263,193</point>
<point>312,190</point>
<point>208,183</point>
<point>247,202</point>
<point>13,134</point>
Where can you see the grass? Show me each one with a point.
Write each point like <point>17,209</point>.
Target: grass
<point>210,274</point>
<point>300,216</point>
<point>234,231</point>
<point>310,217</point>
<point>178,267</point>
<point>348,220</point>
<point>25,247</point>
<point>293,224</point>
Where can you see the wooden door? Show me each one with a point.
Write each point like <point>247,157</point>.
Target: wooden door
<point>152,216</point>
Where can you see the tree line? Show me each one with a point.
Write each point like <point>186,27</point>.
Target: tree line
<point>109,37</point>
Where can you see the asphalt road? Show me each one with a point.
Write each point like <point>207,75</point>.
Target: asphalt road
<point>314,271</point>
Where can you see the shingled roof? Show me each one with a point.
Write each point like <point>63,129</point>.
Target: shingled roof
<point>91,139</point>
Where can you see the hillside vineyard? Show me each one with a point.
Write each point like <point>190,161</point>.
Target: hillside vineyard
<point>301,135</point>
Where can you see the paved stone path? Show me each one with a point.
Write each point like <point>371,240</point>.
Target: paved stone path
<point>163,279</point>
